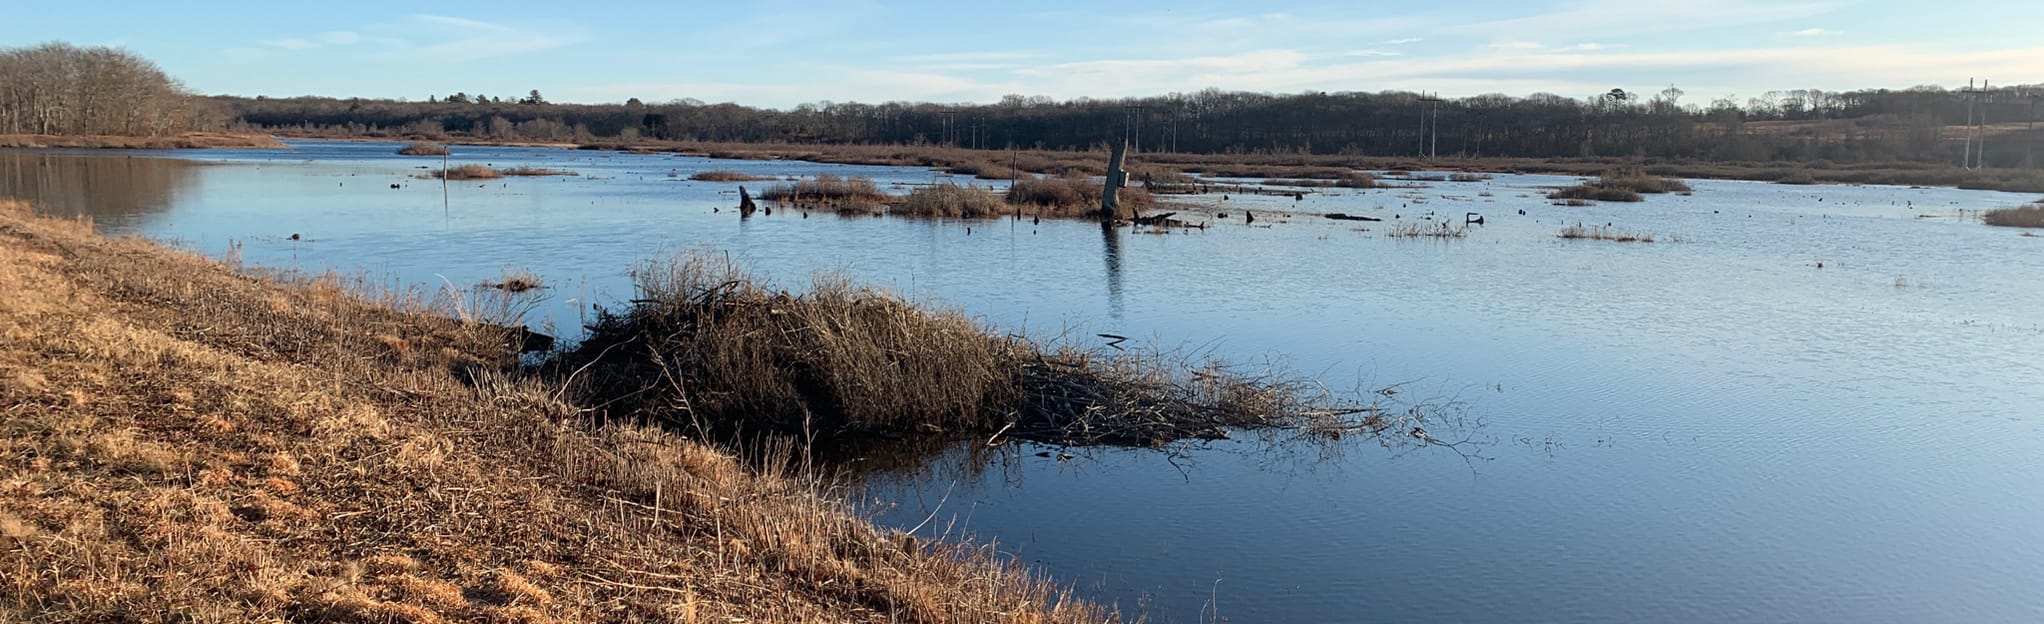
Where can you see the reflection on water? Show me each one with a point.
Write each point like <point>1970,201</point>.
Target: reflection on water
<point>1706,430</point>
<point>111,188</point>
<point>1110,240</point>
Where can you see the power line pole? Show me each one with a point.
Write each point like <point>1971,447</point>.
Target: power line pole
<point>1432,106</point>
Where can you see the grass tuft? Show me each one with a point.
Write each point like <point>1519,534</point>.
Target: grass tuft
<point>469,172</point>
<point>2031,216</point>
<point>1604,233</point>
<point>952,201</point>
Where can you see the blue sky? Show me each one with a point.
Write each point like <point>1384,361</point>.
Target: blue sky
<point>782,53</point>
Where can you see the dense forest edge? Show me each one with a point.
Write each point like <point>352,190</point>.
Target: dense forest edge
<point>1917,136</point>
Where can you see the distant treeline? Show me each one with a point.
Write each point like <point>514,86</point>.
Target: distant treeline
<point>62,89</point>
<point>1917,124</point>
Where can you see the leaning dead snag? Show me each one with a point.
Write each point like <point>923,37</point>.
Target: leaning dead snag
<point>1110,195</point>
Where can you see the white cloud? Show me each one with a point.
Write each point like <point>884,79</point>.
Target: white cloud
<point>1401,41</point>
<point>1812,32</point>
<point>1515,45</point>
<point>1373,53</point>
<point>341,37</point>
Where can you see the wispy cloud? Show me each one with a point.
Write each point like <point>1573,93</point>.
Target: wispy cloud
<point>341,37</point>
<point>1812,32</point>
<point>289,43</point>
<point>449,39</point>
<point>1638,17</point>
<point>1373,53</point>
<point>1401,41</point>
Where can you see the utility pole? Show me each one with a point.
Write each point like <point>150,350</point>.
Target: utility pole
<point>1432,106</point>
<point>948,138</point>
<point>1133,125</point>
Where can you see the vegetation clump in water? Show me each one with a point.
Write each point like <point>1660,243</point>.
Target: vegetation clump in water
<point>1622,185</point>
<point>2031,216</point>
<point>707,347</point>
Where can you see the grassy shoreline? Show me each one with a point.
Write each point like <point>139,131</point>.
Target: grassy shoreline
<point>996,164</point>
<point>188,140</point>
<point>184,440</point>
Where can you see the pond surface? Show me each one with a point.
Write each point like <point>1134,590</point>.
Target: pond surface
<point>1800,404</point>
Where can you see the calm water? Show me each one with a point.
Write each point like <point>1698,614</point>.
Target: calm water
<point>1714,429</point>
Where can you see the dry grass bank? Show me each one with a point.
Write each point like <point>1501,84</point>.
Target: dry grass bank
<point>189,140</point>
<point>185,443</point>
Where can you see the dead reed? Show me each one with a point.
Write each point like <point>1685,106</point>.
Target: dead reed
<point>1622,185</point>
<point>952,201</point>
<point>469,172</point>
<point>707,347</point>
<point>1073,196</point>
<point>2031,216</point>
<point>1427,229</point>
<point>1604,233</point>
<point>829,192</point>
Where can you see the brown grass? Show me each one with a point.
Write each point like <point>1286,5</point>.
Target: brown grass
<point>469,172</point>
<point>726,175</point>
<point>2031,216</point>
<point>1073,196</point>
<point>422,148</point>
<point>952,201</point>
<point>1604,233</point>
<point>708,348</point>
<point>829,192</point>
<point>183,442</point>
<point>1622,185</point>
<point>189,140</point>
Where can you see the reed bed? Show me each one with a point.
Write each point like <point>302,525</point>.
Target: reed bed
<point>827,191</point>
<point>708,347</point>
<point>1073,196</point>
<point>469,172</point>
<point>2031,216</point>
<point>952,201</point>
<point>1604,233</point>
<point>1622,185</point>
<point>1427,229</point>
